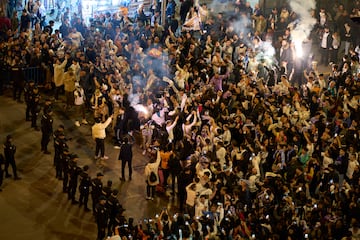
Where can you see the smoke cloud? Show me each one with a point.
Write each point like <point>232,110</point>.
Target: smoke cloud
<point>305,22</point>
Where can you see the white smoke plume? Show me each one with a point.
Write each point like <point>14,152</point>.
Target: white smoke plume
<point>305,22</point>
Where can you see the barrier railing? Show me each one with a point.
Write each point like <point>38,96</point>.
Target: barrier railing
<point>34,73</point>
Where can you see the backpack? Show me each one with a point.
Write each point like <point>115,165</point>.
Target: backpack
<point>152,177</point>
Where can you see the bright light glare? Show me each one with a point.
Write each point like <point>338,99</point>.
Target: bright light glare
<point>298,49</point>
<point>141,109</point>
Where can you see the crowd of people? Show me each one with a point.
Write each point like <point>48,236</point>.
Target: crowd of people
<point>255,146</point>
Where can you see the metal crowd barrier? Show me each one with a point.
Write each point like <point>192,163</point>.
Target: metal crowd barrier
<point>34,73</point>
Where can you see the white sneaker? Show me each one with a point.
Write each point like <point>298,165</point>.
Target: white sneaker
<point>117,147</point>
<point>144,152</point>
<point>77,123</point>
<point>148,198</point>
<point>84,122</point>
<point>105,158</point>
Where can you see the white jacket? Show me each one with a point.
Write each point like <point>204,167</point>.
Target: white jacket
<point>153,167</point>
<point>59,72</point>
<point>98,129</point>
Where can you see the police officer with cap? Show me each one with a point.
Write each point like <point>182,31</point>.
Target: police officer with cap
<point>46,130</point>
<point>102,217</point>
<point>96,189</point>
<point>84,188</point>
<point>65,158</point>
<point>59,146</point>
<point>28,91</point>
<point>9,153</point>
<point>74,172</point>
<point>114,207</point>
<point>107,190</point>
<point>35,108</point>
<point>57,142</point>
<point>47,106</point>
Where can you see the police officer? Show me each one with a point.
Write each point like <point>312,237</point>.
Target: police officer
<point>47,106</point>
<point>28,92</point>
<point>107,190</point>
<point>35,108</point>
<point>65,158</point>
<point>46,130</point>
<point>114,207</point>
<point>84,188</point>
<point>60,147</point>
<point>120,219</point>
<point>96,189</point>
<point>102,217</point>
<point>56,135</point>
<point>74,171</point>
<point>18,79</point>
<point>9,153</point>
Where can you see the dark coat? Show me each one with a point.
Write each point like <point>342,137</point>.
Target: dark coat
<point>126,152</point>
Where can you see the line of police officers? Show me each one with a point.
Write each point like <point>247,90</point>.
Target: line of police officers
<point>106,207</point>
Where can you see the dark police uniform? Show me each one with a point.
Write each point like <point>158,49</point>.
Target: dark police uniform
<point>47,106</point>
<point>65,158</point>
<point>96,190</point>
<point>46,130</point>
<point>74,171</point>
<point>57,142</point>
<point>59,145</point>
<point>107,190</point>
<point>35,107</point>
<point>28,92</point>
<point>114,207</point>
<point>9,153</point>
<point>18,79</point>
<point>84,188</point>
<point>102,218</point>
